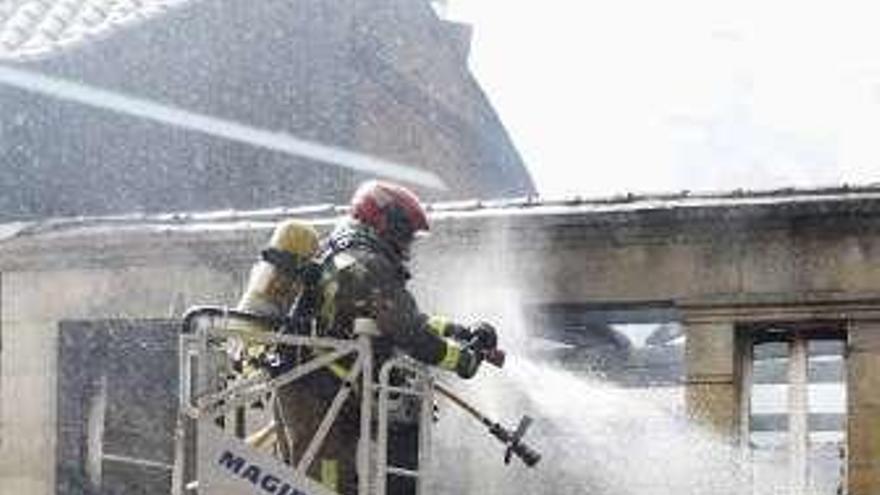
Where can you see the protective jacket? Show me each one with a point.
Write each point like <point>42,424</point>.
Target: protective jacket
<point>360,276</point>
<point>363,277</point>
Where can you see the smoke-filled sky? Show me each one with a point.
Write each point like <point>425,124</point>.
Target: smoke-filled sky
<point>604,97</point>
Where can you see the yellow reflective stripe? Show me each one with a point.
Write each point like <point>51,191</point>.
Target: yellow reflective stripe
<point>267,435</point>
<point>330,474</point>
<point>339,370</point>
<point>438,325</point>
<point>451,357</point>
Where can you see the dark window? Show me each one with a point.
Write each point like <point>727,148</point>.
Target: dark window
<point>117,406</point>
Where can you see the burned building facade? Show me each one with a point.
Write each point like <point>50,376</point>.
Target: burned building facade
<point>770,290</point>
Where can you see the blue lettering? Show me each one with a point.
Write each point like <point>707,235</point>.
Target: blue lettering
<point>231,461</point>
<point>270,483</point>
<point>289,490</point>
<point>252,474</point>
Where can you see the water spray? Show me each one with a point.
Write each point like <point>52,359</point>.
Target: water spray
<point>274,140</point>
<point>511,438</point>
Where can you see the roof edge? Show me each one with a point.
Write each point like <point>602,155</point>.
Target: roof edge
<point>326,213</point>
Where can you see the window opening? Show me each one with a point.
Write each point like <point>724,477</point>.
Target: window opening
<point>796,397</point>
<point>636,347</point>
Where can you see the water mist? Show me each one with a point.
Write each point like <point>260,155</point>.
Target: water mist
<point>596,437</point>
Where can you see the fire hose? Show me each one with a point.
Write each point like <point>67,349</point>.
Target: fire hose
<point>512,438</point>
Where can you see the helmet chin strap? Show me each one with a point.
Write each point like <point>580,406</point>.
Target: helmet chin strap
<point>404,251</point>
<point>402,247</point>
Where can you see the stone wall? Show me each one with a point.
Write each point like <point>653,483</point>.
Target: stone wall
<point>34,304</point>
<point>863,426</point>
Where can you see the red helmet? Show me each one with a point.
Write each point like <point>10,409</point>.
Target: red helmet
<point>393,211</point>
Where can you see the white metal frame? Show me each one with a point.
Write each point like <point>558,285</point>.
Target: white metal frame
<point>422,388</point>
<point>203,398</point>
<point>797,410</point>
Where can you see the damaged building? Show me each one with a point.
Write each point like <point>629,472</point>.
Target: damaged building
<point>752,314</point>
<point>745,294</point>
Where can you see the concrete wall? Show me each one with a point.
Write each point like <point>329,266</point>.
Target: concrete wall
<point>863,428</point>
<point>34,303</point>
<point>713,381</point>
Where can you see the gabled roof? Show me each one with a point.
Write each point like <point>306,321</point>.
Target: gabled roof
<point>37,28</point>
<point>383,77</point>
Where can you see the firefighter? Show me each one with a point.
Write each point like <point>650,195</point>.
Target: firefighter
<point>364,274</point>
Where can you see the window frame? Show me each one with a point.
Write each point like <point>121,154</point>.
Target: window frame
<point>798,336</point>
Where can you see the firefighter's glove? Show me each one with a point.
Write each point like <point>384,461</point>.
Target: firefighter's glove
<point>483,337</point>
<point>454,331</point>
<point>468,363</point>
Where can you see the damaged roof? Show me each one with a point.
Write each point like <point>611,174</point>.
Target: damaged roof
<point>815,201</point>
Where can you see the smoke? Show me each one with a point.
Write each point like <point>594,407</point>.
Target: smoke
<point>595,437</point>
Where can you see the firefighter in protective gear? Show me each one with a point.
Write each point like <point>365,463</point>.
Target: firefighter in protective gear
<point>364,274</point>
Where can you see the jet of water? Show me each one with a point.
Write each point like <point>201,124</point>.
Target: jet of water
<point>596,437</point>
<point>234,131</point>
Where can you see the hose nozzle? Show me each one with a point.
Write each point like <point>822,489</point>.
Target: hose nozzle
<point>514,442</point>
<point>495,357</point>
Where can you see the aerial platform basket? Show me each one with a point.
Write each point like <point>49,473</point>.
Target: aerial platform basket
<point>213,457</point>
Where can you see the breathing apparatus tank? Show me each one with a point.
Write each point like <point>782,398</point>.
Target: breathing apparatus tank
<point>276,280</point>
